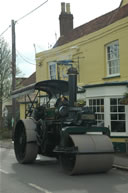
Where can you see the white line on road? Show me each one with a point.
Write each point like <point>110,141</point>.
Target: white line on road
<point>39,188</point>
<point>3,171</point>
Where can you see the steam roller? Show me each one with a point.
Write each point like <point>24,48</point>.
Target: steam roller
<point>66,130</point>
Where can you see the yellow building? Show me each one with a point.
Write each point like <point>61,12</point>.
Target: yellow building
<point>98,49</point>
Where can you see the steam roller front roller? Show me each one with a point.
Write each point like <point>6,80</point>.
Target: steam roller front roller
<point>25,145</point>
<point>90,154</point>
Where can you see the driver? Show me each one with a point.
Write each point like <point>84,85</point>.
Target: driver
<point>61,101</point>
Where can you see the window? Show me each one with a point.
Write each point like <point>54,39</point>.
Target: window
<point>113,60</point>
<point>117,115</point>
<point>97,106</point>
<point>52,70</point>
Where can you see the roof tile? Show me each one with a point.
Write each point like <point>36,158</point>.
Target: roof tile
<point>94,25</point>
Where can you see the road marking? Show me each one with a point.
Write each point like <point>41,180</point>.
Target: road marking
<point>39,188</point>
<point>3,171</point>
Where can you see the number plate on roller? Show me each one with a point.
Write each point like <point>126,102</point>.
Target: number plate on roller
<point>88,117</point>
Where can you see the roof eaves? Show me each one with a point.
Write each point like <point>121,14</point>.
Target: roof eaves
<point>124,83</point>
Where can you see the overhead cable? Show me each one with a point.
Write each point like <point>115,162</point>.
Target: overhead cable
<point>24,16</point>
<point>23,58</point>
<point>5,30</point>
<point>31,11</point>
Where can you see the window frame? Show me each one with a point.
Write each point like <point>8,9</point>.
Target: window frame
<point>52,74</point>
<point>107,114</point>
<point>98,108</point>
<point>113,60</point>
<point>115,112</point>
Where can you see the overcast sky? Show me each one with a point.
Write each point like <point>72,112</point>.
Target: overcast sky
<point>40,27</point>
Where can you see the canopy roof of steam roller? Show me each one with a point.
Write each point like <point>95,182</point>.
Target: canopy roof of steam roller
<point>52,87</point>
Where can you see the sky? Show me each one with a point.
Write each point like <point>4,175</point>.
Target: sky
<point>39,31</point>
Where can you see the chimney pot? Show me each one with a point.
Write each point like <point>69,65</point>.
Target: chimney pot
<point>62,7</point>
<point>68,8</point>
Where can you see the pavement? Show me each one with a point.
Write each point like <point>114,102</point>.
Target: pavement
<point>6,143</point>
<point>120,159</point>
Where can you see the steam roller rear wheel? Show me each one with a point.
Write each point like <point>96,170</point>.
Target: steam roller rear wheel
<point>94,154</point>
<point>25,151</point>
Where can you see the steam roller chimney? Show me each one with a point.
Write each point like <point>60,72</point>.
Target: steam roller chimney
<point>72,79</point>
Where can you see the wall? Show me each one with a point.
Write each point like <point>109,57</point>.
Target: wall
<point>22,111</point>
<point>124,2</point>
<point>92,54</point>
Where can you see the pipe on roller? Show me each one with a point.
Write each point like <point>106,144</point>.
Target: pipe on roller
<point>95,155</point>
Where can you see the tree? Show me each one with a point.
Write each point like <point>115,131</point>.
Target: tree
<point>5,74</point>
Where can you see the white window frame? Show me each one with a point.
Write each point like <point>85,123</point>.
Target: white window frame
<point>113,59</point>
<point>116,113</point>
<point>108,92</point>
<point>52,70</point>
<point>107,114</point>
<point>98,109</point>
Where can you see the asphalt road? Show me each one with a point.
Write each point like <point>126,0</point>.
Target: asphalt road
<point>47,177</point>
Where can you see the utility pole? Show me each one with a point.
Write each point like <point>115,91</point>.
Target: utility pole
<point>13,73</point>
<point>1,95</point>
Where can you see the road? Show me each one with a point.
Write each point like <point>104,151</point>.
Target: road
<point>46,176</point>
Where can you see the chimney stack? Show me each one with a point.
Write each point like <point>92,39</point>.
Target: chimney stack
<point>66,19</point>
